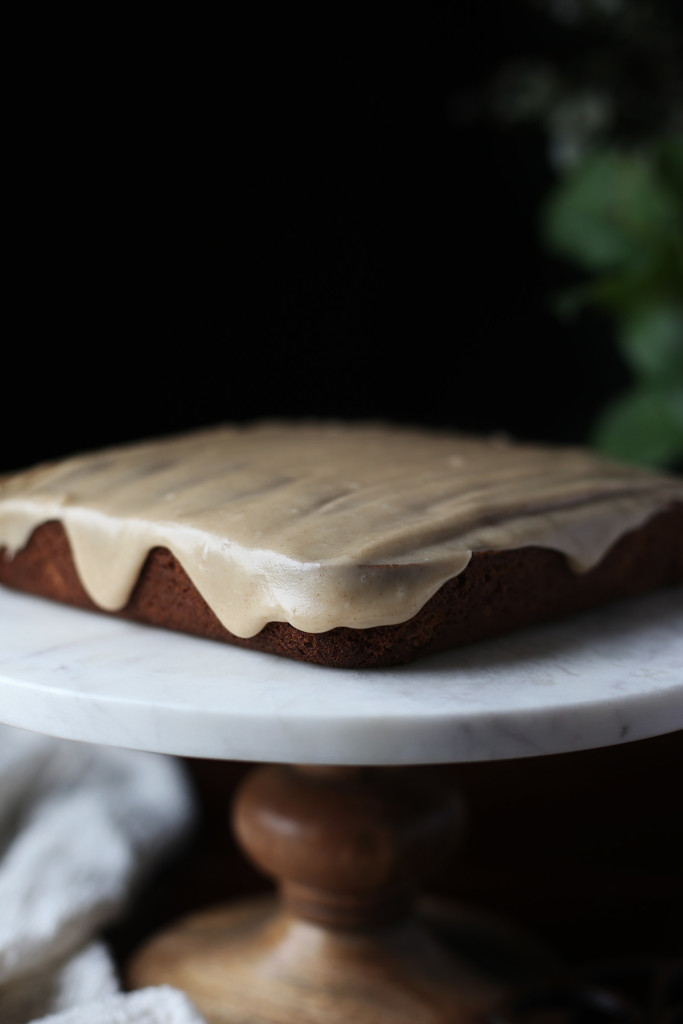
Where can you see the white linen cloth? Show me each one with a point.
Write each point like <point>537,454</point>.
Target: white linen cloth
<point>80,828</point>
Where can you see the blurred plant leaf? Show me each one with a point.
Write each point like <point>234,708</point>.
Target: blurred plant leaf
<point>669,154</point>
<point>618,294</point>
<point>652,342</point>
<point>617,211</point>
<point>619,217</point>
<point>644,425</point>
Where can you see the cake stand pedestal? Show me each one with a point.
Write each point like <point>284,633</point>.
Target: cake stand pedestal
<point>346,809</point>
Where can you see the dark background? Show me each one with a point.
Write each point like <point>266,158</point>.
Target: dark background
<point>285,215</point>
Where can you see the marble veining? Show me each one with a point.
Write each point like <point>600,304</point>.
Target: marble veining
<point>597,679</point>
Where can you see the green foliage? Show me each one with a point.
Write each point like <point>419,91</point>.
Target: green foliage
<point>644,425</point>
<point>619,216</point>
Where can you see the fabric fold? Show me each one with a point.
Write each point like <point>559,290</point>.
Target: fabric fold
<point>81,827</point>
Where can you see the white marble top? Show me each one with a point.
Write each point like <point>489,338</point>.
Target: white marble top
<point>601,678</point>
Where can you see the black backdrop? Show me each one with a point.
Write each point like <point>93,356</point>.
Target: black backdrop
<point>285,217</point>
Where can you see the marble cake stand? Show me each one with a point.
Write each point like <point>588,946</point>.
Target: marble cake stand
<point>345,809</point>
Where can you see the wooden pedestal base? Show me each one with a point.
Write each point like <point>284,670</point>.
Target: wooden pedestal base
<point>343,943</point>
<point>253,963</point>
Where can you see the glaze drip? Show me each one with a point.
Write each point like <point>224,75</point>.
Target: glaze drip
<point>324,524</point>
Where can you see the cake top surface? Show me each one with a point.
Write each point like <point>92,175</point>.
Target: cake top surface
<point>323,524</point>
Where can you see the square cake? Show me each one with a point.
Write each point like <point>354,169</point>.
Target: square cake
<point>345,544</point>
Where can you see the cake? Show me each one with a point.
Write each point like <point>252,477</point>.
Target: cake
<point>352,545</point>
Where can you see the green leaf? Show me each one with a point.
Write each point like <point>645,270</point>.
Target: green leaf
<point>651,340</point>
<point>643,426</point>
<point>669,159</point>
<point>615,212</point>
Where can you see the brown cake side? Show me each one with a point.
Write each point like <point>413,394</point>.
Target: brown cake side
<point>498,592</point>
